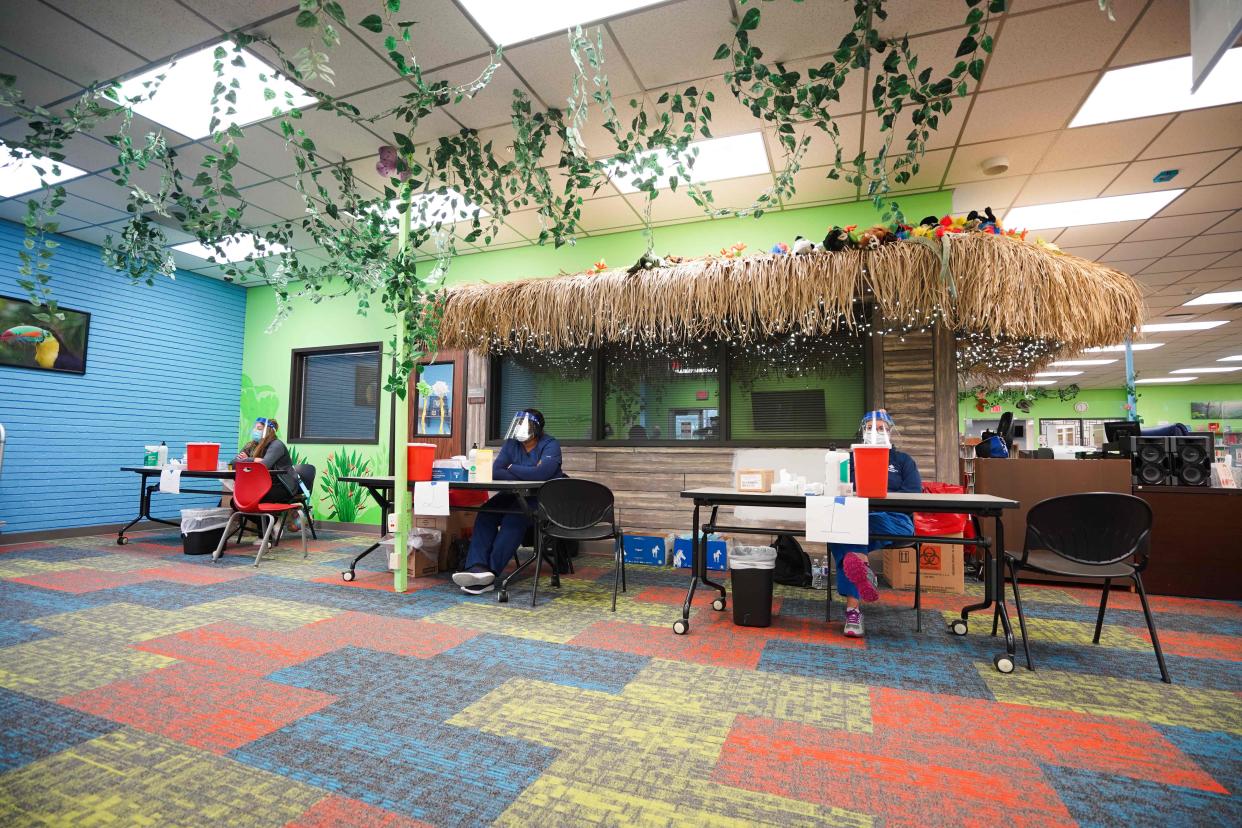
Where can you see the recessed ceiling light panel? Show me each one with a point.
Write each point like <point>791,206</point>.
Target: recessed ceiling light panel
<point>182,101</point>
<point>1160,87</point>
<point>1068,362</point>
<point>1087,211</point>
<point>717,159</point>
<point>1059,373</point>
<point>512,21</point>
<point>1205,370</point>
<point>1235,358</point>
<point>1113,349</point>
<point>236,248</point>
<point>18,174</point>
<point>1160,327</point>
<point>1163,380</point>
<point>1033,382</point>
<point>1226,297</point>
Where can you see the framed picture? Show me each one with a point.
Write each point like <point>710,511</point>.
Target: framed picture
<point>434,416</point>
<point>31,337</point>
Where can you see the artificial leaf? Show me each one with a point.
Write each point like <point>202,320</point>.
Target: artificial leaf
<point>373,23</point>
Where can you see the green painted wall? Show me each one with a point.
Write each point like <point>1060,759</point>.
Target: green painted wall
<point>267,356</point>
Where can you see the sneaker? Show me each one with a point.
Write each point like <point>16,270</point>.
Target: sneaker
<point>477,575</point>
<point>853,622</point>
<point>858,570</point>
<point>478,589</point>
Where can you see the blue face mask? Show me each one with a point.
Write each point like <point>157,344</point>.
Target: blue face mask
<point>256,434</point>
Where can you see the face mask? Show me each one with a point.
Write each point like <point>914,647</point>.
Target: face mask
<point>875,437</point>
<point>521,433</point>
<point>256,433</point>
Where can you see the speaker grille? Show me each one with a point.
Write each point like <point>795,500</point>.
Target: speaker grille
<point>1151,474</point>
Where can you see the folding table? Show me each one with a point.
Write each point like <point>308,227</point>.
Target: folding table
<point>145,490</point>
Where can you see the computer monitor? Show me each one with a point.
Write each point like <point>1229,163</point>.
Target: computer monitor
<point>1117,435</point>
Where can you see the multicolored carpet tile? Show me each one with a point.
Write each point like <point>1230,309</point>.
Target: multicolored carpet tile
<point>141,686</point>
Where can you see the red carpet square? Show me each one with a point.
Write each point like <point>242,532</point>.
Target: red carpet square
<point>237,647</point>
<point>194,574</point>
<point>340,812</point>
<point>386,634</point>
<point>216,710</point>
<point>79,581</point>
<point>379,580</point>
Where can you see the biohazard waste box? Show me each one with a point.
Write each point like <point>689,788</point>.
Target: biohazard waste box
<point>942,565</point>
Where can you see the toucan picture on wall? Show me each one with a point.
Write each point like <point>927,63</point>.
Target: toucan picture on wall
<point>33,337</point>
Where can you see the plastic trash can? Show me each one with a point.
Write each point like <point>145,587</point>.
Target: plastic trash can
<point>201,529</point>
<point>752,569</point>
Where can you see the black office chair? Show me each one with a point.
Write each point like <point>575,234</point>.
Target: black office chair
<point>1044,453</point>
<point>1098,535</point>
<point>306,472</point>
<point>579,510</point>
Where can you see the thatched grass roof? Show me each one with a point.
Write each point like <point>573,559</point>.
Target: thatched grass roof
<point>997,286</point>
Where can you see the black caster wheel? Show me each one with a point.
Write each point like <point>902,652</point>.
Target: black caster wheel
<point>348,576</point>
<point>958,627</point>
<point>502,597</point>
<point>718,605</point>
<point>681,627</point>
<point>121,541</point>
<point>1004,664</point>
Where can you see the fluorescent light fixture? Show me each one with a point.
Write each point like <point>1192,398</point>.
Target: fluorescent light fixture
<point>1227,297</point>
<point>718,159</point>
<point>18,174</point>
<point>1235,358</point>
<point>236,248</point>
<point>1160,327</point>
<point>1059,373</point>
<point>182,101</point>
<point>1160,87</point>
<point>1033,382</point>
<point>1068,362</point>
<point>1114,349</point>
<point>508,22</point>
<point>1086,211</point>
<point>1206,370</point>
<point>426,209</point>
<point>1163,380</point>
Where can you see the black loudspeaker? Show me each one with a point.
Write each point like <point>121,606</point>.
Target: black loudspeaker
<point>1192,460</point>
<point>1151,462</point>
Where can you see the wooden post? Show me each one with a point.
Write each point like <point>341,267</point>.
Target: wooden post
<point>944,369</point>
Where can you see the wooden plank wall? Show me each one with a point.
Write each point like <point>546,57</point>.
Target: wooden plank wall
<point>909,396</point>
<point>477,375</point>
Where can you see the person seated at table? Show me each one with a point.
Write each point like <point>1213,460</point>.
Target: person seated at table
<point>266,447</point>
<point>855,579</point>
<point>527,454</point>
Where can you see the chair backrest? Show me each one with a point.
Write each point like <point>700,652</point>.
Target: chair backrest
<point>1044,453</point>
<point>1091,528</point>
<point>306,473</point>
<point>252,483</point>
<point>573,503</point>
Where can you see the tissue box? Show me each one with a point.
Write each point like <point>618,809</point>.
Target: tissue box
<point>717,554</point>
<point>643,549</point>
<point>753,480</point>
<point>451,473</point>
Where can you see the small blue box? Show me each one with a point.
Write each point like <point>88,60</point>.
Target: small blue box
<point>644,549</point>
<point>457,475</point>
<point>717,554</point>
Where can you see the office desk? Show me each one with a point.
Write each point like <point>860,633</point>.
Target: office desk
<point>985,506</point>
<point>145,490</point>
<point>381,489</point>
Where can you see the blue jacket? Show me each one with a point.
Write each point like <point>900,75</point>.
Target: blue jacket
<point>903,473</point>
<point>543,462</point>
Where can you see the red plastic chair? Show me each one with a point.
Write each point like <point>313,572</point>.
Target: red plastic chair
<point>252,483</point>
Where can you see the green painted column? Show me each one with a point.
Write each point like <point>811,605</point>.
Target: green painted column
<point>401,432</point>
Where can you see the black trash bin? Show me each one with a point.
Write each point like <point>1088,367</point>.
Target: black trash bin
<point>201,529</point>
<point>752,568</point>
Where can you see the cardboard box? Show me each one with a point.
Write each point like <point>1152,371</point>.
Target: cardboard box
<point>644,549</point>
<point>753,480</point>
<point>942,567</point>
<point>717,554</point>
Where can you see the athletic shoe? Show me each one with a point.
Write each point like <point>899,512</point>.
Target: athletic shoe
<point>858,571</point>
<point>478,589</point>
<point>853,622</point>
<point>477,575</point>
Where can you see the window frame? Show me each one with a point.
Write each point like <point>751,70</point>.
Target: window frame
<point>297,377</point>
<point>724,371</point>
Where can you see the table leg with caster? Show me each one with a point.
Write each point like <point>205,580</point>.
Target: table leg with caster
<point>682,625</point>
<point>1003,663</point>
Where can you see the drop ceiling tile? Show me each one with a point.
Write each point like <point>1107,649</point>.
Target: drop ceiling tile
<point>96,234</point>
<point>737,193</point>
<point>1231,272</point>
<point>548,69</point>
<point>238,14</point>
<point>1199,130</point>
<point>101,189</point>
<point>1175,226</point>
<point>434,125</point>
<point>997,193</point>
<point>355,68</point>
<point>1213,243</point>
<point>729,116</point>
<point>43,35</point>
<point>277,198</point>
<point>607,213</point>
<point>788,31</point>
<point>1023,154</point>
<point>946,134</point>
<point>1229,171</point>
<point>1101,144</point>
<point>1206,199</point>
<point>1171,263</point>
<point>1138,176</point>
<point>336,137</point>
<point>525,222</point>
<point>932,168</point>
<point>1092,252</point>
<point>1142,249</point>
<point>1131,266</point>
<point>1162,32</point>
<point>1067,185</point>
<point>1084,39</point>
<point>1162,280</point>
<point>190,159</point>
<point>155,29</point>
<point>918,16</point>
<point>491,105</point>
<point>668,205</point>
<point>1232,224</point>
<point>265,151</point>
<point>1230,261</point>
<point>1039,107</point>
<point>90,212</point>
<point>82,151</point>
<point>1097,233</point>
<point>674,43</point>
<point>811,184</point>
<point>442,35</point>
<point>37,85</point>
<point>851,93</point>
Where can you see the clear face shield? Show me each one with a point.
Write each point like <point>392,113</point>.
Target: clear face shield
<point>877,428</point>
<point>523,426</point>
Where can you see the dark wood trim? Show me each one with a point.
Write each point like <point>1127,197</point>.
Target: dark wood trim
<point>297,371</point>
<point>873,367</point>
<point>944,389</point>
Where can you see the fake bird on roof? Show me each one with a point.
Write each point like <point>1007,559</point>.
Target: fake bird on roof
<point>46,346</point>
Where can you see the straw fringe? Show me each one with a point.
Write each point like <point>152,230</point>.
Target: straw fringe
<point>1004,288</point>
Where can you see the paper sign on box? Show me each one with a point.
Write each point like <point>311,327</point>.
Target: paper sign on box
<point>837,520</point>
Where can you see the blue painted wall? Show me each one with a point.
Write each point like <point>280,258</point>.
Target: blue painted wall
<point>163,363</point>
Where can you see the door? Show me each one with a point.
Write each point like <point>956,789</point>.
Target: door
<point>438,405</point>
